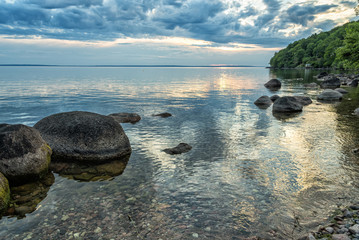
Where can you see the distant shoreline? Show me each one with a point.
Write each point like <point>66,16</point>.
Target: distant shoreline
<point>119,66</point>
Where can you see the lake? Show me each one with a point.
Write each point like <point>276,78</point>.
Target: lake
<point>249,173</point>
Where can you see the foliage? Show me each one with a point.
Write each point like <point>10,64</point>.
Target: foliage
<point>337,48</point>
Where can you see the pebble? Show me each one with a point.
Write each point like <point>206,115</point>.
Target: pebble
<point>64,218</point>
<point>354,229</point>
<point>195,235</point>
<point>329,230</point>
<point>98,230</point>
<point>340,237</point>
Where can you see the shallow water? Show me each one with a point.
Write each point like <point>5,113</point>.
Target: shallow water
<point>248,173</point>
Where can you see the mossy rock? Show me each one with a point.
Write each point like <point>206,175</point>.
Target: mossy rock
<point>4,193</point>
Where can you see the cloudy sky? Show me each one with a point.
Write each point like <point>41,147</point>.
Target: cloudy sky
<point>186,32</point>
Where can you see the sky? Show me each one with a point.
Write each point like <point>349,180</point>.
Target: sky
<point>171,32</point>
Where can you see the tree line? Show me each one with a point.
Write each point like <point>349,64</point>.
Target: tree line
<point>337,48</point>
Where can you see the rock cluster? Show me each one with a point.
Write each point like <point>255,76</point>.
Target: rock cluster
<point>344,226</point>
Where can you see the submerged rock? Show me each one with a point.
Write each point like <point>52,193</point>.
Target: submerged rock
<point>330,95</point>
<point>24,155</point>
<point>25,198</point>
<point>4,193</point>
<point>273,84</point>
<point>303,100</point>
<point>332,82</point>
<point>180,148</point>
<point>84,136</point>
<point>163,115</point>
<point>89,172</point>
<point>263,102</point>
<point>126,117</point>
<point>287,104</point>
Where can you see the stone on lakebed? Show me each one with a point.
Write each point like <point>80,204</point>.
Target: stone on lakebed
<point>84,136</point>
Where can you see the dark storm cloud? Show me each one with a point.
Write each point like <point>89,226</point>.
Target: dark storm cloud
<point>303,14</point>
<point>216,21</point>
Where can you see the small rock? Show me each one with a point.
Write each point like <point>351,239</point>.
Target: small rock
<point>163,115</point>
<point>329,230</point>
<point>195,235</point>
<point>180,148</point>
<point>64,218</point>
<point>331,82</point>
<point>343,230</point>
<point>126,117</point>
<point>354,229</point>
<point>330,95</point>
<point>98,230</point>
<point>348,214</point>
<point>311,237</point>
<point>273,84</point>
<point>340,237</point>
<point>354,207</point>
<point>263,102</point>
<point>274,97</point>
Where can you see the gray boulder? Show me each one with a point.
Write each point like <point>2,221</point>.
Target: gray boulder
<point>180,148</point>
<point>341,90</point>
<point>263,102</point>
<point>24,155</point>
<point>274,97</point>
<point>4,193</point>
<point>273,84</point>
<point>84,136</point>
<point>126,117</point>
<point>332,83</point>
<point>287,105</point>
<point>330,95</point>
<point>303,100</point>
<point>356,111</point>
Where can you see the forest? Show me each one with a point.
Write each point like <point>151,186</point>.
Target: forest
<point>337,48</point>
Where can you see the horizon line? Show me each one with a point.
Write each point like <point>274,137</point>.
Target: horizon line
<point>123,65</point>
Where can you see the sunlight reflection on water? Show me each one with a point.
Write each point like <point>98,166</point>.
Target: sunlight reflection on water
<point>248,173</point>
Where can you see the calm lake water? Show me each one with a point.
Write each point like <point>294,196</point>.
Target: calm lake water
<point>248,173</point>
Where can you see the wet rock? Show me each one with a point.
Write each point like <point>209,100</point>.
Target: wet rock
<point>274,97</point>
<point>180,148</point>
<point>354,229</point>
<point>330,95</point>
<point>126,117</point>
<point>341,90</point>
<point>340,237</point>
<point>329,230</point>
<point>273,84</point>
<point>263,102</point>
<point>25,198</point>
<point>310,237</point>
<point>303,100</point>
<point>4,193</point>
<point>354,83</point>
<point>87,172</point>
<point>354,207</point>
<point>356,112</point>
<point>287,105</point>
<point>163,115</point>
<point>24,155</point>
<point>332,82</point>
<point>84,136</point>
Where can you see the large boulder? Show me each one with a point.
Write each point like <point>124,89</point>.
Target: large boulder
<point>84,136</point>
<point>332,83</point>
<point>273,84</point>
<point>126,117</point>
<point>330,95</point>
<point>263,102</point>
<point>24,155</point>
<point>287,104</point>
<point>4,193</point>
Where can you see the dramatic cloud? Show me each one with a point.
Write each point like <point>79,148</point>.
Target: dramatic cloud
<point>222,24</point>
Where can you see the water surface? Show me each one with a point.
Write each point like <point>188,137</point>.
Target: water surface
<point>248,173</point>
